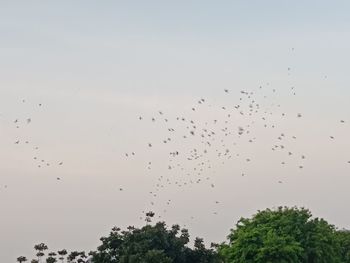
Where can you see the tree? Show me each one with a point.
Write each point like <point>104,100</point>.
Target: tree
<point>40,248</point>
<point>62,253</point>
<point>282,235</point>
<point>343,237</point>
<point>72,256</point>
<point>21,259</point>
<point>51,259</point>
<point>201,254</point>
<point>150,244</point>
<point>76,256</point>
<point>82,257</point>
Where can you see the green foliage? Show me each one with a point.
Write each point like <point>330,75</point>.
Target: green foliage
<point>343,238</point>
<point>51,259</point>
<point>76,256</point>
<point>283,235</point>
<point>201,254</point>
<point>151,244</point>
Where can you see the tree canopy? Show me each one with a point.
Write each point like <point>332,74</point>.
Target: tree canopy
<point>343,237</point>
<point>152,244</point>
<point>282,235</point>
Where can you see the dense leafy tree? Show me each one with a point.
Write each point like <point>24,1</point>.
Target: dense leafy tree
<point>201,254</point>
<point>51,259</point>
<point>151,244</point>
<point>282,235</point>
<point>343,237</point>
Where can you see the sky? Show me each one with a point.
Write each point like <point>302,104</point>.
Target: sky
<point>83,72</point>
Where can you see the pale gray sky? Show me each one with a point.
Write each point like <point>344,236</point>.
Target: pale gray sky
<point>96,67</point>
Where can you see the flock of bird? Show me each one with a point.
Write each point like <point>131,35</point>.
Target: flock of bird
<point>209,135</point>
<point>205,136</point>
<point>38,160</point>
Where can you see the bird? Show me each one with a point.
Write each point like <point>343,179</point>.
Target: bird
<point>219,135</point>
